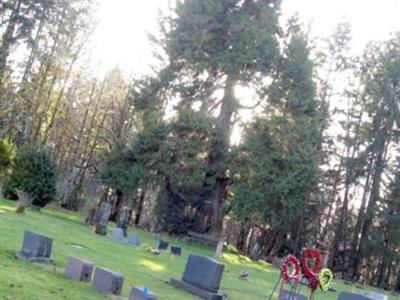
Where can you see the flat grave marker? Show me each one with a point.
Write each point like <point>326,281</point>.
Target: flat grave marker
<point>141,294</point>
<point>288,295</point>
<point>352,296</point>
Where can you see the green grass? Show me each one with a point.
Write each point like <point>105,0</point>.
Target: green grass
<point>23,280</point>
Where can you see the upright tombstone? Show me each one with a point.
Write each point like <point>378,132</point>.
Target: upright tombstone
<point>162,245</point>
<point>123,219</point>
<point>35,248</point>
<point>288,295</point>
<point>102,221</point>
<point>117,234</point>
<point>133,240</point>
<point>219,249</point>
<point>107,281</point>
<point>202,277</point>
<point>141,294</point>
<point>78,269</point>
<point>352,296</point>
<point>324,258</point>
<point>255,252</point>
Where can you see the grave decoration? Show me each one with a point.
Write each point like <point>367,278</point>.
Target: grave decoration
<point>314,275</point>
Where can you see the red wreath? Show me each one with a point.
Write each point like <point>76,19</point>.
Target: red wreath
<point>290,260</point>
<point>313,255</point>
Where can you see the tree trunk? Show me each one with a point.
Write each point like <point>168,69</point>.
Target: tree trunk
<point>358,226</point>
<point>119,201</point>
<point>397,285</point>
<point>138,210</point>
<point>7,39</point>
<point>217,155</point>
<point>374,195</point>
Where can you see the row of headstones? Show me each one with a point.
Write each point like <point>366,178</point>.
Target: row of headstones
<point>37,248</point>
<point>134,240</point>
<point>202,275</point>
<point>104,280</point>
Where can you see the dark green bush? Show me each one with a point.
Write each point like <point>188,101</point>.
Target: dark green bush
<point>34,172</point>
<point>7,152</point>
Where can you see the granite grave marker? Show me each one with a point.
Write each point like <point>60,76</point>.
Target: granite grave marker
<point>78,269</point>
<point>177,251</point>
<point>162,245</point>
<point>141,294</point>
<point>133,240</point>
<point>202,277</point>
<point>35,248</point>
<point>352,296</point>
<point>107,281</point>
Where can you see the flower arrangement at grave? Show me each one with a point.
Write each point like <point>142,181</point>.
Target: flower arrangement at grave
<point>310,265</point>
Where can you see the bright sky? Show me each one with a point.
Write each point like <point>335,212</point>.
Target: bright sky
<point>121,37</point>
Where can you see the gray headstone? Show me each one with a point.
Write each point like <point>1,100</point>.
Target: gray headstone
<point>123,218</point>
<point>256,252</point>
<point>104,215</point>
<point>107,281</point>
<point>117,234</point>
<point>35,247</point>
<point>351,296</point>
<point>377,295</point>
<point>288,295</point>
<point>133,239</point>
<point>176,250</point>
<point>203,272</point>
<point>141,294</point>
<point>162,245</point>
<point>78,269</point>
<point>219,249</point>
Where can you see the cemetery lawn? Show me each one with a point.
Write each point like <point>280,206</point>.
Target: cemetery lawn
<point>23,280</point>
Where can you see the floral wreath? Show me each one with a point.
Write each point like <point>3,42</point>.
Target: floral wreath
<point>325,279</point>
<point>290,260</point>
<point>314,255</point>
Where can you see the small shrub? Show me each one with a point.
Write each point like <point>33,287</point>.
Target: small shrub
<point>34,172</point>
